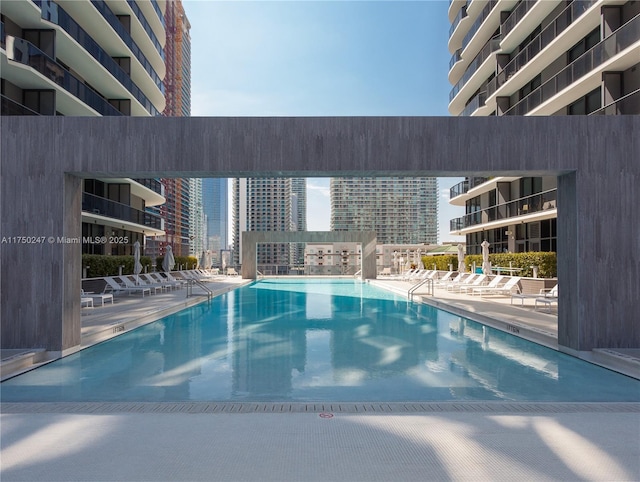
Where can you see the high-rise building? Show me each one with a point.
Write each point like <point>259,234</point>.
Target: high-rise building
<point>535,58</point>
<point>179,206</point>
<point>401,210</point>
<point>197,218</point>
<point>215,200</point>
<point>268,204</point>
<point>90,59</point>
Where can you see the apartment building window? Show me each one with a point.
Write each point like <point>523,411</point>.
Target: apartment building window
<point>587,104</point>
<point>585,44</point>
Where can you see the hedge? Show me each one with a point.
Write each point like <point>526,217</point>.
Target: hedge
<point>102,265</point>
<point>545,261</point>
<point>187,262</point>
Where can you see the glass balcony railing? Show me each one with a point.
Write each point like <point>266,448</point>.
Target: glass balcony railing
<point>147,28</point>
<point>11,107</point>
<point>461,14</point>
<point>456,57</point>
<point>491,46</point>
<point>111,18</point>
<point>517,14</point>
<point>153,184</point>
<point>519,207</point>
<point>24,52</point>
<point>626,105</point>
<point>615,43</point>
<point>479,21</point>
<point>57,15</point>
<point>156,7</point>
<point>540,42</point>
<point>477,102</point>
<point>105,207</point>
<point>464,186</point>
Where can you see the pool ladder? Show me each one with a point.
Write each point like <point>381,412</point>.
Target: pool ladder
<point>192,282</point>
<point>412,290</point>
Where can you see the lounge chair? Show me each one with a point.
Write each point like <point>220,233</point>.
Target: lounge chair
<point>130,284</point>
<point>85,301</point>
<point>166,281</point>
<point>232,272</point>
<point>442,283</point>
<point>548,299</point>
<point>147,280</point>
<point>103,297</point>
<point>508,288</point>
<point>117,287</point>
<point>524,296</point>
<point>466,279</point>
<point>496,282</point>
<point>478,281</point>
<point>445,277</point>
<point>170,277</point>
<point>385,272</point>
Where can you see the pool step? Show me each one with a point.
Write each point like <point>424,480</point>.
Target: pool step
<point>19,361</point>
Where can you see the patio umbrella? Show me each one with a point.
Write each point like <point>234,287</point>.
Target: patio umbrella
<point>207,259</point>
<point>486,264</point>
<point>419,258</point>
<point>168,263</point>
<point>137,266</point>
<point>461,266</point>
<point>203,260</point>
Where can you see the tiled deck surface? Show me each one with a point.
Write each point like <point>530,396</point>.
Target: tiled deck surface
<point>475,441</point>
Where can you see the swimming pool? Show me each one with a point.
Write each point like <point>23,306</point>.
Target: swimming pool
<point>317,340</point>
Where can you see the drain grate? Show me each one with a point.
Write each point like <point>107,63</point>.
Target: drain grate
<point>300,407</point>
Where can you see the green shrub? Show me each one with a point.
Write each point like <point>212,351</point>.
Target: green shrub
<point>104,265</point>
<point>187,262</point>
<point>545,261</point>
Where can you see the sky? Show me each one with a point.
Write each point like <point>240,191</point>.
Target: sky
<point>322,58</point>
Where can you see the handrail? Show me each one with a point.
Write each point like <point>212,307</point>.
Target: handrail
<point>413,289</point>
<point>191,282</point>
<point>259,274</point>
<point>359,272</point>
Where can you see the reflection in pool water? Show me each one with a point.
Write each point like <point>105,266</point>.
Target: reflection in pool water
<point>318,340</point>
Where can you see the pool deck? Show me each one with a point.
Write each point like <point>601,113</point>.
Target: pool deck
<point>475,441</point>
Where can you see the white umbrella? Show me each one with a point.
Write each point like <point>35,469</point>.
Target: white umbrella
<point>137,266</point>
<point>395,261</point>
<point>461,266</point>
<point>207,259</point>
<point>408,265</point>
<point>486,264</point>
<point>203,260</point>
<point>419,258</point>
<point>169,262</point>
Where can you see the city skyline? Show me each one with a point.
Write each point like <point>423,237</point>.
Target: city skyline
<point>322,59</point>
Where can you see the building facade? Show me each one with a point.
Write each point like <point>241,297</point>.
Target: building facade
<point>401,210</point>
<point>197,218</point>
<point>535,58</point>
<point>178,208</point>
<point>215,200</point>
<point>90,59</point>
<point>268,204</point>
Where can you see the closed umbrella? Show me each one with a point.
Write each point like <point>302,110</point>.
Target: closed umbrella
<point>461,266</point>
<point>203,260</point>
<point>137,266</point>
<point>169,262</point>
<point>486,264</point>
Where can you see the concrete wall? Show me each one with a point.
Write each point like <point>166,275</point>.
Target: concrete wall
<point>597,160</point>
<point>366,238</point>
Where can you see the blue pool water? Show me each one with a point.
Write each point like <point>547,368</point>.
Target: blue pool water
<point>317,340</point>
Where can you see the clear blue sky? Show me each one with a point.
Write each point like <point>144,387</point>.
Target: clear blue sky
<point>329,58</point>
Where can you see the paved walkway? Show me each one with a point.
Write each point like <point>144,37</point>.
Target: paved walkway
<point>320,442</point>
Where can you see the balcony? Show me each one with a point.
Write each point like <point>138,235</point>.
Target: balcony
<point>535,203</point>
<point>477,102</point>
<point>461,14</point>
<point>491,46</point>
<point>112,209</point>
<point>466,185</point>
<point>626,105</point>
<point>517,14</point>
<point>11,107</point>
<point>615,43</point>
<point>548,35</point>
<point>476,25</point>
<point>24,52</point>
<point>57,15</point>
<point>153,184</point>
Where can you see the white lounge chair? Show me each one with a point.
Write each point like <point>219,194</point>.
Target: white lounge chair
<point>84,301</point>
<point>232,272</point>
<point>385,272</point>
<point>524,296</point>
<point>549,298</point>
<point>117,287</point>
<point>465,279</point>
<point>165,281</point>
<point>478,281</point>
<point>170,277</point>
<point>147,280</point>
<point>130,284</point>
<point>506,289</point>
<point>103,297</point>
<point>496,282</point>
